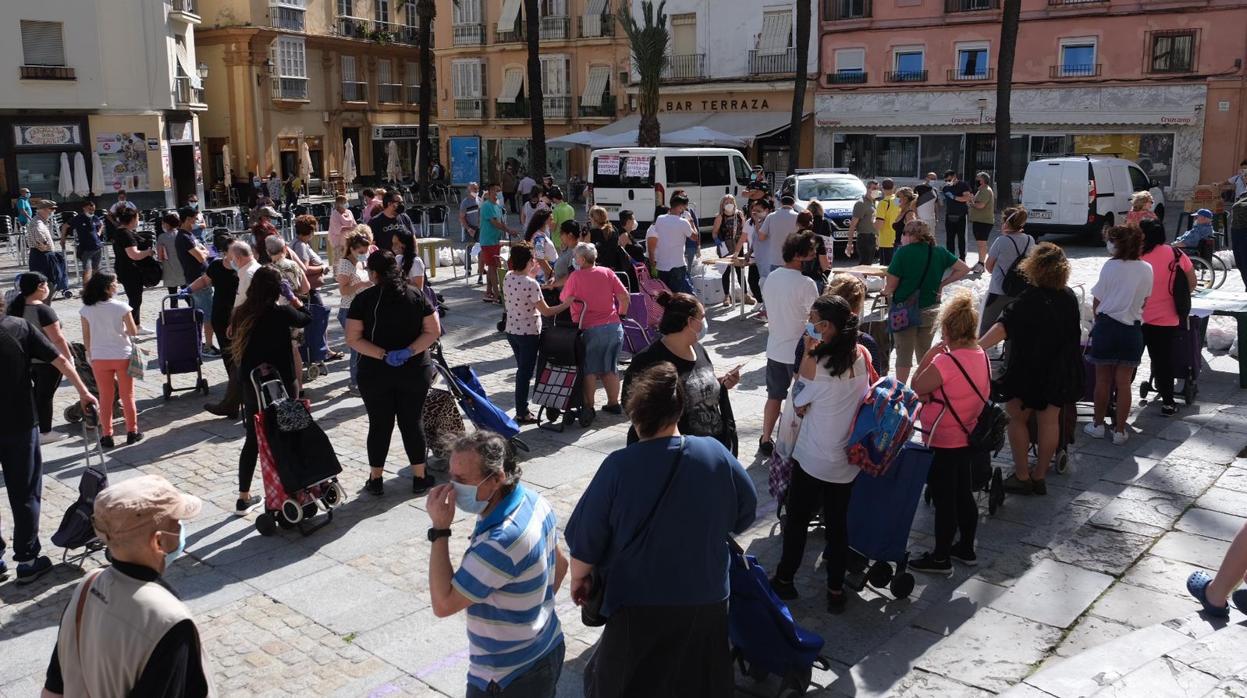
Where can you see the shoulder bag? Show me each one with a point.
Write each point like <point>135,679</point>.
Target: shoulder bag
<point>988,435</point>
<point>591,607</point>
<point>1015,282</point>
<point>908,313</point>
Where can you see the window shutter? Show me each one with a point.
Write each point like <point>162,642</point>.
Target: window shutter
<point>595,87</point>
<point>348,69</point>
<point>413,73</point>
<point>384,72</point>
<point>776,32</point>
<point>42,43</point>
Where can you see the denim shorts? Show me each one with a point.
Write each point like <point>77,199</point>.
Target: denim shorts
<point>1115,343</point>
<point>602,346</point>
<point>203,300</point>
<point>778,379</point>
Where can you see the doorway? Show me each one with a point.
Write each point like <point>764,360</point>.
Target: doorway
<point>182,161</point>
<point>980,155</point>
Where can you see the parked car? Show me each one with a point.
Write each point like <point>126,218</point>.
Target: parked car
<point>641,179</point>
<point>834,189</point>
<point>1083,194</point>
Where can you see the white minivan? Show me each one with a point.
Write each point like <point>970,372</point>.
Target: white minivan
<point>641,179</point>
<point>1083,194</point>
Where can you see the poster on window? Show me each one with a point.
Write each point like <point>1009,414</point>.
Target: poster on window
<point>123,158</point>
<point>608,165</point>
<point>636,166</point>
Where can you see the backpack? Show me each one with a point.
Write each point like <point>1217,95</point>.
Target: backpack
<point>1180,287</point>
<point>988,435</point>
<point>76,529</point>
<point>884,422</point>
<point>1015,281</point>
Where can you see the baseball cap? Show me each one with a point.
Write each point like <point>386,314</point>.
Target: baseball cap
<point>46,203</point>
<point>1204,212</point>
<point>138,503</point>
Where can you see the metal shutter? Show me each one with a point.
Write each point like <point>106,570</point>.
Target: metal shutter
<point>42,43</point>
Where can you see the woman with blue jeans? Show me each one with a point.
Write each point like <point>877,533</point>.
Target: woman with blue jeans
<point>352,279</point>
<point>525,307</point>
<point>601,299</point>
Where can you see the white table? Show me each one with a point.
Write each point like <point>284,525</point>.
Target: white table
<point>722,264</point>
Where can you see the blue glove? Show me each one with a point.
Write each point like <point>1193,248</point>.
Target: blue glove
<point>398,357</point>
<point>286,291</point>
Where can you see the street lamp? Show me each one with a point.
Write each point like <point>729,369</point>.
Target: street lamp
<point>202,69</point>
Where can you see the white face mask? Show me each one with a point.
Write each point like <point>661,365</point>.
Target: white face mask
<point>1111,247</point>
<point>876,194</point>
<point>729,210</point>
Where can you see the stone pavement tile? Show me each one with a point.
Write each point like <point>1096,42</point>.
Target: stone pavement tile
<point>434,650</point>
<point>572,462</point>
<point>365,604</point>
<point>1036,512</point>
<point>1224,500</point>
<point>1159,573</point>
<point>1155,448</point>
<point>1053,593</point>
<point>351,537</point>
<point>944,617</point>
<point>992,651</point>
<point>1098,667</point>
<point>1111,552</point>
<point>1130,469</point>
<point>1142,511</point>
<point>873,619</point>
<point>221,539</point>
<point>1180,476</point>
<point>1139,607</point>
<point>23,688</point>
<point>921,684</point>
<point>1219,654</point>
<point>1234,478</point>
<point>1212,445</point>
<point>28,654</point>
<point>1087,633</point>
<point>1161,678</point>
<point>1025,690</point>
<point>1190,548</point>
<point>282,565</point>
<point>880,672</point>
<point>1006,568</point>
<point>401,686</point>
<point>203,587</point>
<point>1213,524</point>
<point>1179,431</point>
<point>1060,526</point>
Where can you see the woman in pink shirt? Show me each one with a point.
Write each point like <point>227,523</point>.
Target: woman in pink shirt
<point>1140,208</point>
<point>341,223</point>
<point>1160,313</point>
<point>954,382</point>
<point>600,298</point>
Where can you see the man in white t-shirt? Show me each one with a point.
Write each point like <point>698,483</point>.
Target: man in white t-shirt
<point>771,236</point>
<point>928,198</point>
<point>525,186</point>
<point>788,295</point>
<point>245,265</point>
<point>665,244</point>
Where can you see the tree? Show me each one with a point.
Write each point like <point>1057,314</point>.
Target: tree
<point>536,101</point>
<point>426,11</point>
<point>1004,93</point>
<point>799,80</point>
<point>648,42</point>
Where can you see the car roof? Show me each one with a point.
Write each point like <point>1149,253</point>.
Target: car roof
<point>1086,158</point>
<point>665,149</point>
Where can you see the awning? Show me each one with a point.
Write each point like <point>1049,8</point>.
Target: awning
<point>510,13</point>
<point>595,8</point>
<point>596,86</point>
<point>512,81</point>
<point>873,120</point>
<point>776,29</point>
<point>746,127</point>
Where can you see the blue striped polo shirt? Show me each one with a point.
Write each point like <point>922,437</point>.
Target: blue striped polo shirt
<point>508,574</point>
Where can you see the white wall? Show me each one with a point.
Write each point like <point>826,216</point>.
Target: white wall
<point>728,29</point>
<point>121,52</point>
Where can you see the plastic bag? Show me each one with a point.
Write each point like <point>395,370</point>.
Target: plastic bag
<point>1222,331</point>
<point>1226,257</point>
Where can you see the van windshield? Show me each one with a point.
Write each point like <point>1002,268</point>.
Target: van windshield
<point>829,189</point>
<point>623,171</point>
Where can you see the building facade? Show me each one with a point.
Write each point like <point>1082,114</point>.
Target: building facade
<point>120,81</point>
<point>482,102</point>
<point>289,73</point>
<point>909,86</point>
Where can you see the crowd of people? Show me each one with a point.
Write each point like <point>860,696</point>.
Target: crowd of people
<point>671,498</point>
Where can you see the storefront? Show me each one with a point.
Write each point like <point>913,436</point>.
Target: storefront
<point>406,138</point>
<point>30,154</point>
<point>905,135</point>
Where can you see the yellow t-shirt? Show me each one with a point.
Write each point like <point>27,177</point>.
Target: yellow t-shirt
<point>887,210</point>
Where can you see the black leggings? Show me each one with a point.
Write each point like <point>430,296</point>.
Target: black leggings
<point>388,397</point>
<point>755,282</point>
<point>46,380</point>
<point>952,493</point>
<point>233,388</point>
<point>134,295</point>
<point>727,284</point>
<point>806,494</point>
<point>955,235</point>
<point>1159,341</point>
<point>250,448</point>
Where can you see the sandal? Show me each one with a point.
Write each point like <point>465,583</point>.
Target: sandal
<point>526,418</point>
<point>1197,585</point>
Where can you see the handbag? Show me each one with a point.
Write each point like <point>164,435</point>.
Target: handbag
<point>988,435</point>
<point>591,606</point>
<point>908,313</point>
<point>292,415</point>
<point>779,465</point>
<point>135,367</point>
<point>1180,286</point>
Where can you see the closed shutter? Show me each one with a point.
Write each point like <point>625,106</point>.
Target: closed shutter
<point>384,72</point>
<point>467,79</point>
<point>348,69</point>
<point>776,31</point>
<point>599,75</point>
<point>595,8</point>
<point>512,81</point>
<point>466,12</point>
<point>413,73</point>
<point>184,62</point>
<point>42,43</point>
<point>684,34</point>
<point>554,76</point>
<point>510,13</point>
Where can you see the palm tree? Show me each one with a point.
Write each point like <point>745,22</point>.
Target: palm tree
<point>1004,92</point>
<point>798,87</point>
<point>536,103</point>
<point>426,11</point>
<point>648,42</point>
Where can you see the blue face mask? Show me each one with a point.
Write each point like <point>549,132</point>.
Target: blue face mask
<point>812,332</point>
<point>177,552</point>
<point>704,326</point>
<point>465,497</point>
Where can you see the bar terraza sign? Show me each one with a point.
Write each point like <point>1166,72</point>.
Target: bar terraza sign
<point>739,104</point>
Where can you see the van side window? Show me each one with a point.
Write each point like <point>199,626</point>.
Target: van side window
<point>610,172</point>
<point>743,173</point>
<point>1138,180</point>
<point>683,171</point>
<point>715,171</point>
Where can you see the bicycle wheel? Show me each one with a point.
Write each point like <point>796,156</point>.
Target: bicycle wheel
<point>1220,271</point>
<point>1205,277</point>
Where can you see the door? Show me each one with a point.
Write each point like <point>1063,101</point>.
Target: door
<point>1075,190</point>
<point>716,181</point>
<point>182,161</point>
<point>683,172</point>
<point>1042,193</point>
<point>1121,189</point>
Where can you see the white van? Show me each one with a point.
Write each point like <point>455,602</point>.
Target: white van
<point>641,179</point>
<point>1083,194</point>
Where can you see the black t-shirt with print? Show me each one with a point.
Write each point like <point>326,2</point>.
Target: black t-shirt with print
<point>125,267</point>
<point>224,291</point>
<point>392,321</point>
<point>385,227</point>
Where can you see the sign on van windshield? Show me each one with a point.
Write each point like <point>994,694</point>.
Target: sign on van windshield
<point>623,171</point>
<point>608,165</point>
<point>637,166</point>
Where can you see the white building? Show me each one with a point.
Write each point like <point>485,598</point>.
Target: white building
<point>117,78</point>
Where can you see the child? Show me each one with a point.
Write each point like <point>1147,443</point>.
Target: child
<point>1202,230</point>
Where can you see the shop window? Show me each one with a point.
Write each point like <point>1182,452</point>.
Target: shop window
<point>940,153</point>
<point>1050,147</point>
<point>1153,152</point>
<point>896,156</point>
<point>1173,52</point>
<point>41,173</point>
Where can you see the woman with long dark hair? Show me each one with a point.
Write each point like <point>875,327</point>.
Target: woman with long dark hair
<point>1160,314</point>
<point>32,292</point>
<point>834,374</point>
<point>260,334</point>
<point>403,245</point>
<point>391,326</point>
<point>525,305</point>
<point>538,233</point>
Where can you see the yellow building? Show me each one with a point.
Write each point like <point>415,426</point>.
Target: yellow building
<point>320,72</point>
<point>482,99</point>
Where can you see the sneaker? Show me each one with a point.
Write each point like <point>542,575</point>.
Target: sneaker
<point>964,554</point>
<point>613,409</point>
<point>932,565</point>
<point>1039,487</point>
<point>133,437</point>
<point>51,437</point>
<point>242,506</point>
<point>1015,485</point>
<point>143,329</point>
<point>1168,410</point>
<point>221,410</point>
<point>587,415</point>
<point>107,442</point>
<point>210,352</point>
<point>784,590</point>
<point>28,572</point>
<point>374,486</point>
<point>1095,431</point>
<point>421,485</point>
<point>1120,438</point>
<point>836,601</point>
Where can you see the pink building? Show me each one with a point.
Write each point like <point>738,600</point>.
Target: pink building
<point>908,86</point>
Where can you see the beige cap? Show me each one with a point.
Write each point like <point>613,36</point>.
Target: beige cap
<point>139,503</point>
<point>46,203</point>
<point>269,212</point>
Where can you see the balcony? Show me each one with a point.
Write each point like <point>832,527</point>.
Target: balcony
<point>185,10</point>
<point>288,18</point>
<point>292,89</point>
<point>390,93</point>
<point>951,6</point>
<point>354,92</point>
<point>518,33</point>
<point>847,9</point>
<point>1086,70</point>
<point>557,107</point>
<point>773,63</point>
<point>1078,2</point>
<point>391,33</point>
<point>847,77</point>
<point>686,66</point>
<point>556,28</point>
<point>955,75</point>
<point>47,72</point>
<point>512,110</point>
<point>471,108</point>
<point>605,111</point>
<point>468,34</point>
<point>905,76</point>
<point>187,96</point>
<point>596,26</point>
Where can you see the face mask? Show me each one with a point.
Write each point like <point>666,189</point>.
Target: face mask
<point>341,206</point>
<point>730,209</point>
<point>1111,247</point>
<point>876,194</point>
<point>177,552</point>
<point>361,257</point>
<point>195,205</point>
<point>701,334</point>
<point>812,332</point>
<point>465,497</point>
<point>398,210</point>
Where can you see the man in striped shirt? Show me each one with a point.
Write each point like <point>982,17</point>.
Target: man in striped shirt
<point>509,574</point>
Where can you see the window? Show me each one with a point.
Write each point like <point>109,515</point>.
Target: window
<point>972,61</point>
<point>413,82</point>
<point>466,12</point>
<point>353,89</point>
<point>554,76</point>
<point>896,156</point>
<point>829,188</point>
<point>908,64</point>
<point>684,34</point>
<point>553,8</point>
<point>382,8</point>
<point>467,79</point>
<point>291,61</point>
<point>346,8</point>
<point>743,172</point>
<point>776,32</point>
<point>850,60</point>
<point>1050,147</point>
<point>42,43</point>
<point>939,153</point>
<point>1138,180</point>
<point>596,86</point>
<point>716,171</point>
<point>1172,52</point>
<point>288,14</point>
<point>610,171</point>
<point>1078,57</point>
<point>683,171</point>
<point>388,90</point>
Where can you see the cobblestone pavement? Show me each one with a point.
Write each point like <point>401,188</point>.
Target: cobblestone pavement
<point>345,610</point>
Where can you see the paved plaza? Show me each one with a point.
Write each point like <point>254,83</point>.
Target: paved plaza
<point>346,611</point>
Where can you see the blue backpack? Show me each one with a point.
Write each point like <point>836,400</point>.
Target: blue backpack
<point>765,638</point>
<point>884,422</point>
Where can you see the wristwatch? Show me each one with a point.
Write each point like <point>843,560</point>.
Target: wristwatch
<point>435,533</point>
